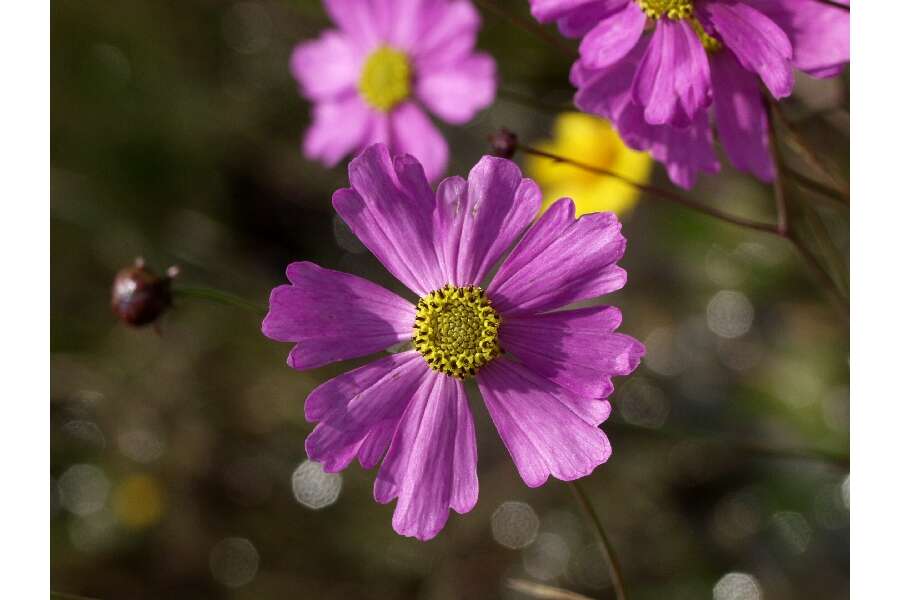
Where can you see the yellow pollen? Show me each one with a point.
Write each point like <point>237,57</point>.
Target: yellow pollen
<point>456,330</point>
<point>678,10</point>
<point>386,78</point>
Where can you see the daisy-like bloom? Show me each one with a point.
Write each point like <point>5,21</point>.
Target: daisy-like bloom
<point>595,142</point>
<point>544,370</point>
<point>370,78</point>
<point>656,67</point>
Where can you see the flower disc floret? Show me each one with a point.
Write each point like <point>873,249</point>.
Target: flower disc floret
<point>386,78</point>
<point>673,9</point>
<point>456,330</point>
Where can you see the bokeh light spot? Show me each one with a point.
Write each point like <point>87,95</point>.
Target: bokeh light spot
<point>737,586</point>
<point>729,314</point>
<point>234,562</point>
<point>313,487</point>
<point>514,524</point>
<point>83,489</point>
<point>138,501</point>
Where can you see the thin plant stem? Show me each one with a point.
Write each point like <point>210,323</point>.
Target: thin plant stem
<point>833,257</point>
<point>615,569</point>
<point>814,186</point>
<point>671,196</point>
<point>809,155</point>
<point>542,591</point>
<point>781,208</point>
<point>528,25</point>
<point>218,296</point>
<point>658,192</point>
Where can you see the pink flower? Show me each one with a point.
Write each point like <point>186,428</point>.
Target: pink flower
<point>544,369</point>
<point>656,67</point>
<point>370,78</point>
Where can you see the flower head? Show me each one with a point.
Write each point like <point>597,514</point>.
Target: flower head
<point>370,78</point>
<point>543,368</point>
<point>595,142</point>
<point>656,67</point>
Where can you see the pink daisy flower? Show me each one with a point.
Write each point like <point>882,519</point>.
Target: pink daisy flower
<point>655,67</point>
<point>370,78</point>
<point>544,369</point>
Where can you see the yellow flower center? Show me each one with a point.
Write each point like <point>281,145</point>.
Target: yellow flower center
<point>386,78</point>
<point>456,330</point>
<point>678,10</point>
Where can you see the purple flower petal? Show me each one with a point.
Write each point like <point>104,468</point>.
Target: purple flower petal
<point>741,117</point>
<point>684,151</point>
<point>560,260</point>
<point>538,425</point>
<point>546,11</point>
<point>613,37</point>
<point>819,34</point>
<point>431,464</point>
<point>338,128</point>
<point>672,81</point>
<point>327,67</point>
<point>447,35</point>
<point>578,21</point>
<point>576,349</point>
<point>607,92</point>
<point>477,221</point>
<point>457,91</point>
<point>361,20</point>
<point>389,210</point>
<point>757,42</point>
<point>358,411</point>
<point>334,316</point>
<point>413,132</point>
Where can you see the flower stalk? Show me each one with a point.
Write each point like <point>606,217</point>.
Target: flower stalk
<point>612,561</point>
<point>219,297</point>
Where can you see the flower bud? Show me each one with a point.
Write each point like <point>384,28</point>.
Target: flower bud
<point>504,143</point>
<point>140,296</point>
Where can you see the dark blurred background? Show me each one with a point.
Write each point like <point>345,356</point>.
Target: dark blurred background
<point>178,467</point>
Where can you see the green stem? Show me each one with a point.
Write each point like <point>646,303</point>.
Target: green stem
<point>220,297</point>
<point>615,569</point>
<point>814,186</point>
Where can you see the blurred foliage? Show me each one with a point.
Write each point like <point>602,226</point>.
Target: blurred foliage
<point>175,135</point>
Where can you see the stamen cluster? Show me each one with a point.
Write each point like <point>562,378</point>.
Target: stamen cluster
<point>386,78</point>
<point>678,10</point>
<point>456,330</point>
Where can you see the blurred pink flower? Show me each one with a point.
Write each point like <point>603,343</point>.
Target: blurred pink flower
<point>370,78</point>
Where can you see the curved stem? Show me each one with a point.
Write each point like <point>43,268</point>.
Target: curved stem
<point>660,193</point>
<point>615,569</point>
<point>220,297</point>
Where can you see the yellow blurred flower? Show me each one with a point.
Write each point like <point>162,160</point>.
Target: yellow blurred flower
<point>139,501</point>
<point>592,141</point>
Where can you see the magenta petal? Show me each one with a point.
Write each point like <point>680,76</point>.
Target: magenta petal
<point>413,132</point>
<point>757,42</point>
<point>334,316</point>
<point>338,128</point>
<point>741,117</point>
<point>392,216</point>
<point>327,67</point>
<point>576,349</point>
<point>546,11</point>
<point>560,260</point>
<point>358,411</point>
<point>448,34</point>
<point>819,34</point>
<point>456,92</point>
<point>613,37</point>
<point>535,420</point>
<point>672,81</point>
<point>360,20</point>
<point>476,221</point>
<point>578,21</point>
<point>431,464</point>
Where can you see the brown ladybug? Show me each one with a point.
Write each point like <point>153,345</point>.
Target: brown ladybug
<point>140,296</point>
